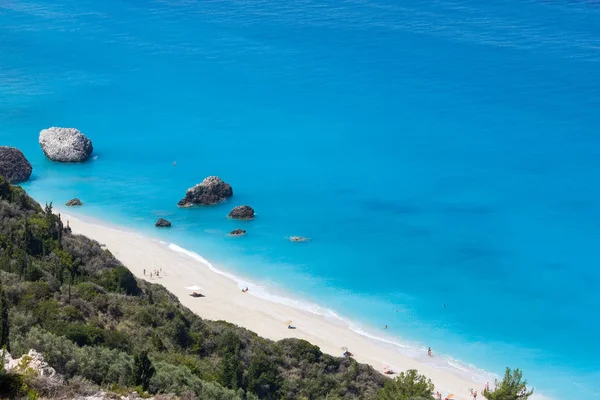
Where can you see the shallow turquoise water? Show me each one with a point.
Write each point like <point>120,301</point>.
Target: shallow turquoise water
<point>438,153</point>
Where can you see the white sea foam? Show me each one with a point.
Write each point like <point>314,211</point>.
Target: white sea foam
<point>259,290</point>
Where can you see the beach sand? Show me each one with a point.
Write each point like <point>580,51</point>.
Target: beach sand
<point>225,301</point>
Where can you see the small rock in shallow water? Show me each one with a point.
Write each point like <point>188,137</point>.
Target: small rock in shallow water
<point>162,223</point>
<point>299,239</point>
<point>211,191</point>
<point>242,212</point>
<point>74,202</point>
<point>14,167</point>
<point>65,144</point>
<point>237,232</point>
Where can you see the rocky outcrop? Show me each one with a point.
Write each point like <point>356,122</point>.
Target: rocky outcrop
<point>13,165</point>
<point>31,362</point>
<point>299,239</point>
<point>242,212</point>
<point>74,202</point>
<point>111,396</point>
<point>162,223</point>
<point>211,191</point>
<point>65,144</point>
<point>237,232</point>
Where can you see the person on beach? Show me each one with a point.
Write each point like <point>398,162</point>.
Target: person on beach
<point>144,271</point>
<point>429,353</point>
<point>475,395</point>
<point>385,327</point>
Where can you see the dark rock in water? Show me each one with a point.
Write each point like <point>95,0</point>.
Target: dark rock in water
<point>237,232</point>
<point>65,144</point>
<point>13,165</point>
<point>299,239</point>
<point>74,202</point>
<point>162,223</point>
<point>211,191</point>
<point>242,212</point>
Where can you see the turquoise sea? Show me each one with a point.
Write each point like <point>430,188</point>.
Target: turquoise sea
<point>441,152</point>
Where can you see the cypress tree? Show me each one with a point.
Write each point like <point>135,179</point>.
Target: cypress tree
<point>143,370</point>
<point>4,326</point>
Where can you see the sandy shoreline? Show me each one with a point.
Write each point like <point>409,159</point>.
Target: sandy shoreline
<point>225,301</point>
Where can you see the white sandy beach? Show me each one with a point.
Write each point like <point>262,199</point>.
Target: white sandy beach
<point>225,301</point>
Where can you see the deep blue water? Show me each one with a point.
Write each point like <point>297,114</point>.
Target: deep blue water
<point>443,152</point>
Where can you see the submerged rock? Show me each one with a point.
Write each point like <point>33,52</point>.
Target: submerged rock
<point>299,239</point>
<point>162,223</point>
<point>74,202</point>
<point>65,144</point>
<point>211,191</point>
<point>242,212</point>
<point>13,165</point>
<point>237,232</point>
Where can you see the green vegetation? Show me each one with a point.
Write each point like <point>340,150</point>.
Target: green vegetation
<point>407,385</point>
<point>512,387</point>
<point>143,370</point>
<point>68,298</point>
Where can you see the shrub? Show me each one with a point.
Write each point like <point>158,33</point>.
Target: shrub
<point>104,366</point>
<point>81,334</point>
<point>214,391</point>
<point>169,378</point>
<point>58,351</point>
<point>120,280</point>
<point>88,291</point>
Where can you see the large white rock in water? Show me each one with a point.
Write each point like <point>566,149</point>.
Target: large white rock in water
<point>65,144</point>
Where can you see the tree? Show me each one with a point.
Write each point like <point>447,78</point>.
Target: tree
<point>263,377</point>
<point>408,385</point>
<point>4,327</point>
<point>512,387</point>
<point>72,266</point>
<point>232,368</point>
<point>143,370</point>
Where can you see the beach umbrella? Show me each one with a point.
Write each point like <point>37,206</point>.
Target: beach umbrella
<point>288,322</point>
<point>344,348</point>
<point>451,395</point>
